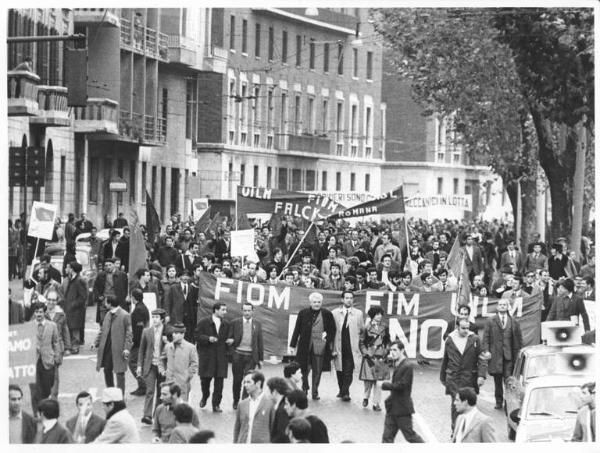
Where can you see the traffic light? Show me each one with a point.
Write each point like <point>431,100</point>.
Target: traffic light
<point>16,166</point>
<point>36,166</point>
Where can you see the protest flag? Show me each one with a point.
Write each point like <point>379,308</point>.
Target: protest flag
<point>389,203</point>
<point>455,257</point>
<point>137,246</point>
<point>203,222</point>
<point>214,222</point>
<point>152,220</point>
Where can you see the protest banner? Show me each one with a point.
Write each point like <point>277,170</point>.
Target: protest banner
<point>388,203</point>
<point>464,202</point>
<point>590,308</point>
<point>41,223</point>
<point>242,243</point>
<point>199,207</point>
<point>22,355</point>
<point>418,319</point>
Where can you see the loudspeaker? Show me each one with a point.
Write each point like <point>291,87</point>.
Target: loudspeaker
<point>578,359</point>
<point>561,333</point>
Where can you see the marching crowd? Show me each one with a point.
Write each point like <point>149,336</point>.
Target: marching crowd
<point>165,348</point>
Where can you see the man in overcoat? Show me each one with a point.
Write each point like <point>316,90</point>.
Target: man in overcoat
<point>312,338</point>
<point>212,341</point>
<point>110,282</point>
<point>114,343</point>
<point>501,342</point>
<point>346,352</point>
<point>75,293</point>
<point>463,364</point>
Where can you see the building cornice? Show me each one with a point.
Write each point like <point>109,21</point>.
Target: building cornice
<point>307,20</point>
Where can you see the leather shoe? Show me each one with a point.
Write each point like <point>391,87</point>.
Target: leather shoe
<point>235,406</point>
<point>217,409</point>
<point>146,420</point>
<point>346,398</point>
<point>377,408</point>
<point>316,397</point>
<point>339,395</point>
<point>202,402</point>
<point>138,392</point>
<point>498,406</point>
<point>365,402</point>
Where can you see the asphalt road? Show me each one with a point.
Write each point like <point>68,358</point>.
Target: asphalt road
<point>346,421</point>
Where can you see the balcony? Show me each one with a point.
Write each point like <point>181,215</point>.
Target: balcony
<point>97,16</point>
<point>146,41</point>
<point>155,130</point>
<point>22,93</point>
<point>99,115</point>
<point>216,60</point>
<point>309,144</point>
<point>182,50</point>
<point>52,107</point>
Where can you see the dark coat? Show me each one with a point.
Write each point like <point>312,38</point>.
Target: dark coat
<point>140,317</point>
<point>400,402</point>
<point>94,427</point>
<point>175,303</point>
<point>190,312</point>
<point>462,370</point>
<point>212,357</point>
<point>120,288</point>
<point>29,428</point>
<point>167,255</point>
<point>58,434</point>
<point>563,308</point>
<point>146,351</point>
<point>121,338</point>
<point>75,294</point>
<point>236,330</point>
<point>493,342</point>
<point>301,337</point>
<point>280,422</point>
<point>122,252</point>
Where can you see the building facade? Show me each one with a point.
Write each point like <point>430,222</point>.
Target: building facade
<point>297,107</point>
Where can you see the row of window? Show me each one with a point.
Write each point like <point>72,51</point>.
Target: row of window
<point>299,179</point>
<point>440,186</point>
<point>300,48</point>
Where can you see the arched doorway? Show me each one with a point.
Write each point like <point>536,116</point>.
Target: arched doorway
<point>49,174</point>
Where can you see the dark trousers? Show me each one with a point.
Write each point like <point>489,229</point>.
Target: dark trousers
<point>109,379</point>
<point>76,338</point>
<point>241,364</point>
<point>133,361</point>
<point>453,413</point>
<point>507,369</point>
<point>152,382</point>
<point>395,423</point>
<point>344,377</point>
<point>315,364</point>
<point>217,389</point>
<point>44,379</point>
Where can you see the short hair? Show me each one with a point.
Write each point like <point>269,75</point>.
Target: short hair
<point>360,271</point>
<point>387,255</point>
<point>113,301</point>
<point>202,437</point>
<point>227,273</point>
<point>257,376</point>
<point>171,266</point>
<point>37,306</point>
<point>589,280</point>
<point>371,269</point>
<point>290,369</point>
<point>183,413</point>
<point>335,265</point>
<point>467,394</point>
<point>441,272</point>
<point>248,303</point>
<point>397,343</point>
<point>297,398</point>
<point>15,388</point>
<point>567,284</point>
<point>174,389</point>
<point>313,296</point>
<point>518,278</point>
<point>49,408</point>
<point>425,276</point>
<point>590,386</point>
<point>345,291</point>
<point>300,428</point>
<point>45,258</point>
<point>114,233</point>
<point>279,384</point>
<point>374,311</point>
<point>465,306</point>
<point>405,274</point>
<point>81,395</point>
<point>137,294</point>
<point>217,306</point>
<point>140,272</point>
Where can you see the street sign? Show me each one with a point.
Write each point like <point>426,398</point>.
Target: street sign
<point>118,186</point>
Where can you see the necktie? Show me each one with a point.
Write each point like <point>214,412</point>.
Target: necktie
<point>503,319</point>
<point>443,287</point>
<point>185,291</point>
<point>346,320</point>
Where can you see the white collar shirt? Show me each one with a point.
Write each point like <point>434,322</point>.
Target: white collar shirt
<point>252,408</point>
<point>217,322</point>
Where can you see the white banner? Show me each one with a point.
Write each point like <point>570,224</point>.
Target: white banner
<point>242,243</point>
<point>590,308</point>
<point>41,222</point>
<point>199,207</point>
<point>464,202</point>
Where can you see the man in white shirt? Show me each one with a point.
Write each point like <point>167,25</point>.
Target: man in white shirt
<point>254,414</point>
<point>471,424</point>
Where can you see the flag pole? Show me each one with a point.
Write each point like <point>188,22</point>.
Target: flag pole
<point>37,243</point>
<point>408,258</point>
<point>296,250</point>
<point>460,278</point>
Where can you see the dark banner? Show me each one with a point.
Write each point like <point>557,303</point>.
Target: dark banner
<point>388,203</point>
<point>305,206</point>
<point>419,319</point>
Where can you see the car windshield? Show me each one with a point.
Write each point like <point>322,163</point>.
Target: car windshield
<point>557,402</point>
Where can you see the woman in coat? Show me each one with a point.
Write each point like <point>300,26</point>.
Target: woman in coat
<point>373,344</point>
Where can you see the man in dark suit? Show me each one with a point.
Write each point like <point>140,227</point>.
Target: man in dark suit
<point>52,431</point>
<point>114,342</point>
<point>75,294</point>
<point>177,298</point>
<point>22,427</point>
<point>85,426</point>
<point>247,346</point>
<point>110,282</point>
<point>140,318</point>
<point>279,388</point>
<point>473,257</point>
<point>212,341</point>
<point>512,258</point>
<point>399,405</point>
<point>567,305</point>
<point>313,338</point>
<point>48,348</point>
<point>501,342</point>
<point>150,363</point>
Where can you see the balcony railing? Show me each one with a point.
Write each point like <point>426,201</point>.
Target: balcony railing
<point>22,93</point>
<point>125,32</point>
<point>144,40</point>
<point>52,106</point>
<point>310,144</point>
<point>161,130</point>
<point>131,125</point>
<point>99,115</point>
